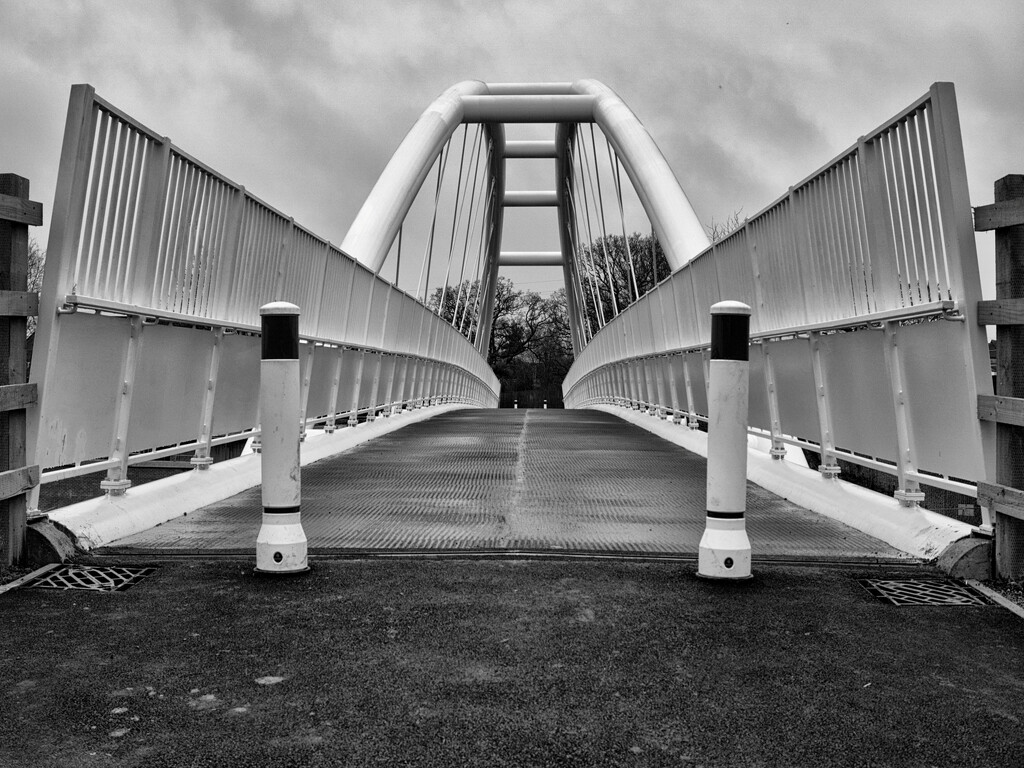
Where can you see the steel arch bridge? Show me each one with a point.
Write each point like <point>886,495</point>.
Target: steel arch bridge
<point>494,105</point>
<point>862,279</point>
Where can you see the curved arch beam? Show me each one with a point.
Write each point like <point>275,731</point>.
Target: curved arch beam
<point>681,234</point>
<point>378,221</point>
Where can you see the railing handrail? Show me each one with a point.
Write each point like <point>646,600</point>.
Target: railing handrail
<point>880,237</point>
<point>616,327</point>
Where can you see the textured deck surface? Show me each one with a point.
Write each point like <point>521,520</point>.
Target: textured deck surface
<point>514,480</point>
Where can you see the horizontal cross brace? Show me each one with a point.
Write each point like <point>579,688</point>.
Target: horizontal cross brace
<point>19,303</point>
<point>1008,213</point>
<point>16,481</point>
<point>530,199</point>
<point>1002,499</point>
<point>1002,410</point>
<point>20,211</point>
<point>530,259</point>
<point>1001,312</point>
<point>14,397</point>
<point>530,149</point>
<point>528,109</point>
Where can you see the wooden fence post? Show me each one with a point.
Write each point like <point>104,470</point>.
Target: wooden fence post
<point>16,305</point>
<point>1009,256</point>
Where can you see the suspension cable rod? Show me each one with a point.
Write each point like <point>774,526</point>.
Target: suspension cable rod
<point>588,250</point>
<point>398,256</point>
<point>595,293</point>
<point>607,262</point>
<point>622,219</point>
<point>604,227</point>
<point>469,222</point>
<point>456,218</point>
<point>442,163</point>
<point>485,280</point>
<point>574,264</point>
<point>474,320</point>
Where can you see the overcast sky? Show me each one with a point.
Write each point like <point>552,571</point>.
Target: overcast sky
<point>304,102</point>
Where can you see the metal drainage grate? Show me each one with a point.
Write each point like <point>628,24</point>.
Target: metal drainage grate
<point>95,578</point>
<point>923,592</point>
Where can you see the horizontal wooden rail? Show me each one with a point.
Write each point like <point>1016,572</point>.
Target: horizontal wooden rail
<point>1002,410</point>
<point>14,397</point>
<point>19,304</point>
<point>1007,213</point>
<point>17,481</point>
<point>1001,312</point>
<point>20,211</point>
<point>1000,498</point>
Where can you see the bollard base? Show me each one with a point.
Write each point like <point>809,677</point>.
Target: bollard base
<point>281,544</point>
<point>724,551</point>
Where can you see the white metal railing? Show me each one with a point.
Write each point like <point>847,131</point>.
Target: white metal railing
<point>149,317</point>
<point>863,280</point>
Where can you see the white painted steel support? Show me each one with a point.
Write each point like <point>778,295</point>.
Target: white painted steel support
<point>307,377</point>
<point>724,551</point>
<point>389,398</point>
<point>829,467</point>
<point>909,492</point>
<point>530,149</point>
<point>378,363</point>
<point>676,418</point>
<point>332,417</point>
<point>691,404</point>
<point>530,259</point>
<point>202,459</point>
<point>117,481</point>
<point>778,450</point>
<point>281,543</point>
<point>532,198</point>
<point>353,416</point>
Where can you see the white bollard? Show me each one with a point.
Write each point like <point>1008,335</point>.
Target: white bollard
<point>724,551</point>
<point>281,543</point>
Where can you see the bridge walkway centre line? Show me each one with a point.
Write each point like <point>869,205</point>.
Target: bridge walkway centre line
<point>510,480</point>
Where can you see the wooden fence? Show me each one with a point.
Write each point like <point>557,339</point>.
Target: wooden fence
<point>1005,497</point>
<point>17,214</point>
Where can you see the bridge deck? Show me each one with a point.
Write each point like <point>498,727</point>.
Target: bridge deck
<point>511,480</point>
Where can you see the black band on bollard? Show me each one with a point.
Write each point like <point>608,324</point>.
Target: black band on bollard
<point>280,337</point>
<point>726,515</point>
<point>281,510</point>
<point>730,337</point>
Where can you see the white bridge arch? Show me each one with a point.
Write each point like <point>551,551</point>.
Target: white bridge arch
<point>377,224</point>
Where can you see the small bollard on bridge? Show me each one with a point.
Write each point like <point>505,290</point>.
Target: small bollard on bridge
<point>724,551</point>
<point>281,543</point>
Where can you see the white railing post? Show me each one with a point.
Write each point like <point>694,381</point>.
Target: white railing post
<point>332,417</point>
<point>117,481</point>
<point>724,551</point>
<point>674,388</point>
<point>378,362</point>
<point>828,467</point>
<point>909,492</point>
<point>307,377</point>
<point>203,459</point>
<point>353,416</point>
<point>691,404</point>
<point>281,543</point>
<point>778,450</point>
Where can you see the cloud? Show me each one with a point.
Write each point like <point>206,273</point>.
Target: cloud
<point>304,102</point>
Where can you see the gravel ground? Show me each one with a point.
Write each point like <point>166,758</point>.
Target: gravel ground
<point>516,663</point>
<point>1011,590</point>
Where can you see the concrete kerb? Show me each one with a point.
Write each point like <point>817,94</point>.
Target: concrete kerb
<point>914,530</point>
<point>102,520</point>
